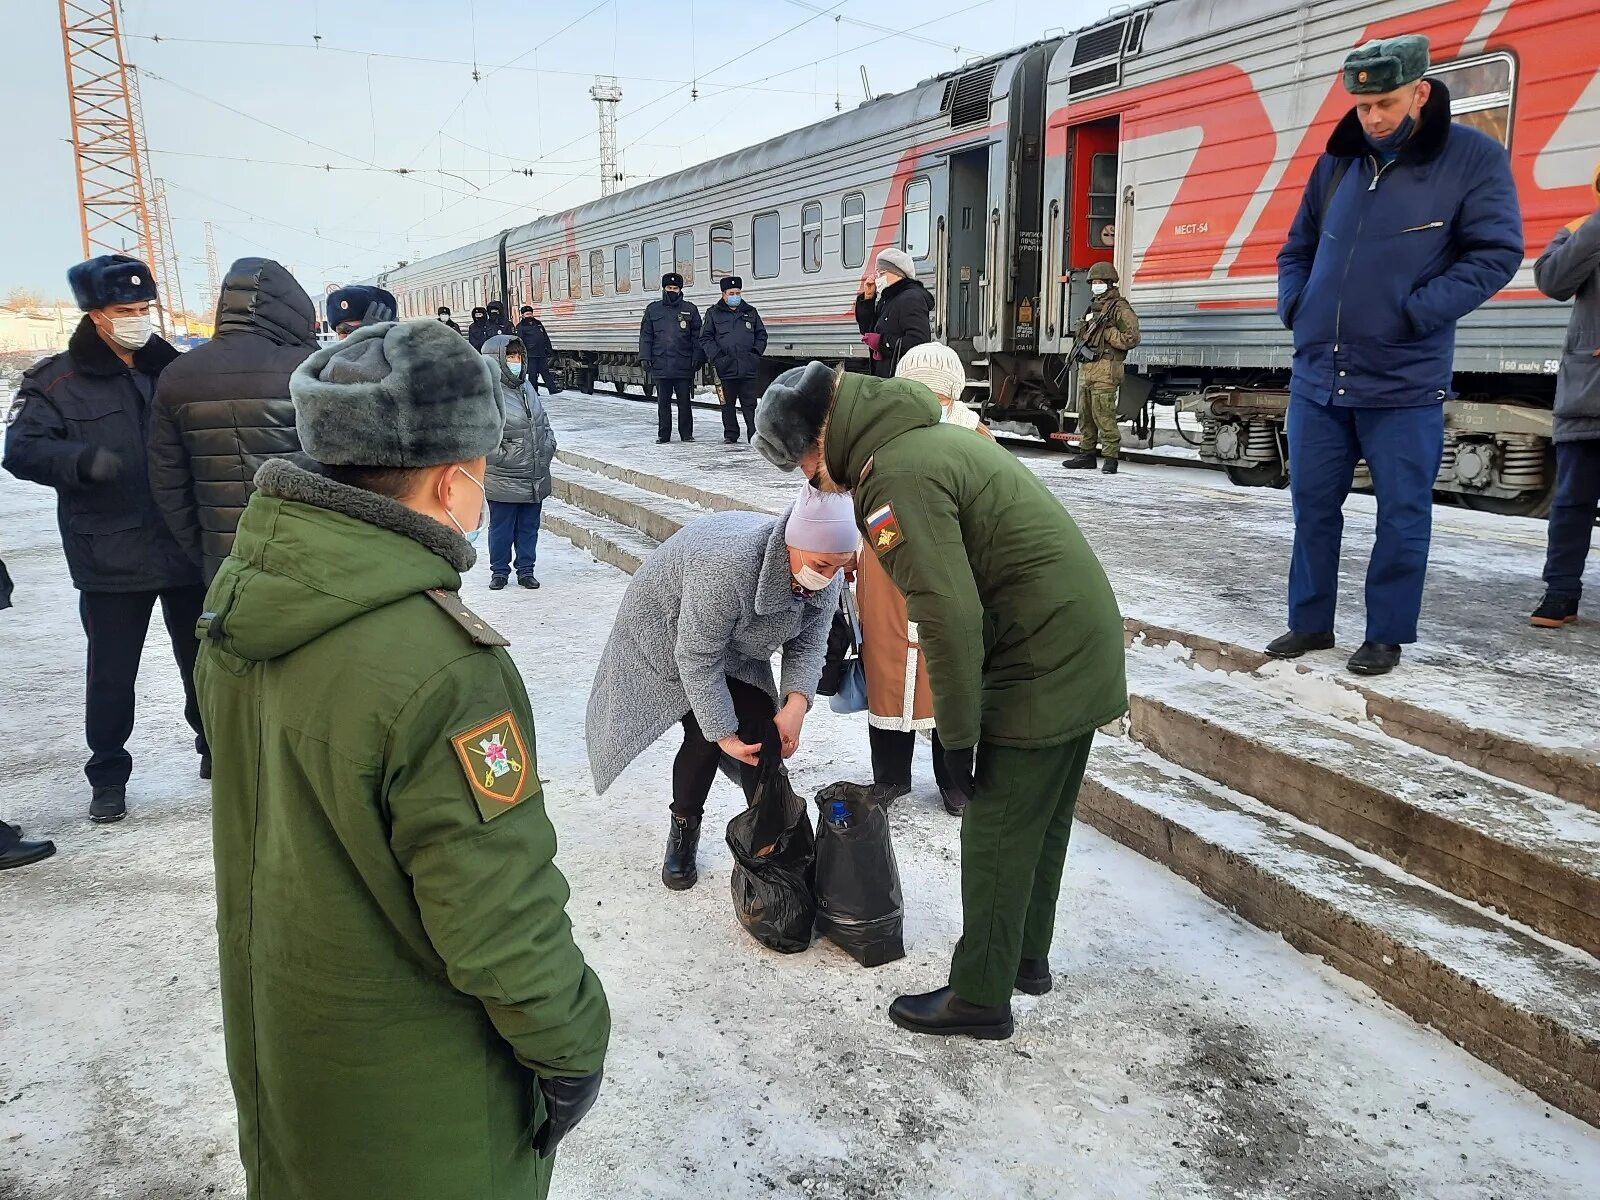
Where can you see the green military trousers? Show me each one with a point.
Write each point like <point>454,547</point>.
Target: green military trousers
<point>1097,419</point>
<point>1013,849</point>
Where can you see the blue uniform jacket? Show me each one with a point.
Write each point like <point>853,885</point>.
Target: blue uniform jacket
<point>669,339</point>
<point>734,340</point>
<point>1373,292</point>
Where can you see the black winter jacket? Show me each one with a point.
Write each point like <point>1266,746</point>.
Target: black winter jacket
<point>78,425</point>
<point>481,330</point>
<point>223,409</point>
<point>733,340</point>
<point>532,332</point>
<point>669,340</point>
<point>899,316</point>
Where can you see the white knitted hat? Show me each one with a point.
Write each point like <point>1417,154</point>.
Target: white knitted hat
<point>936,367</point>
<point>822,523</point>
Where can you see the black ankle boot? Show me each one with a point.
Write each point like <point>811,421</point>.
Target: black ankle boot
<point>1087,461</point>
<point>1033,976</point>
<point>678,872</point>
<point>943,1012</point>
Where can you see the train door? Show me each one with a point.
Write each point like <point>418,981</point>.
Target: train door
<point>964,264</point>
<point>1090,231</point>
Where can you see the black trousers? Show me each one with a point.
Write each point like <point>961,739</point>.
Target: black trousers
<point>892,751</point>
<point>1572,516</point>
<point>739,394</point>
<point>666,389</point>
<point>116,624</point>
<point>539,371</point>
<point>696,765</point>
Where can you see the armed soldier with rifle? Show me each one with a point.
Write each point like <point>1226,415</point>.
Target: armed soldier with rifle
<point>1109,329</point>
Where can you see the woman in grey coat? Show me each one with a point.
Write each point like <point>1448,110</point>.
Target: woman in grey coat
<point>518,476</point>
<point>693,643</point>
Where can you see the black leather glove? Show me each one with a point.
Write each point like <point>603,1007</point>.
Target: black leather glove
<point>960,765</point>
<point>566,1102</point>
<point>99,465</point>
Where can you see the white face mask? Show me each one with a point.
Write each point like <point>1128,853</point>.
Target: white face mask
<point>812,579</point>
<point>1099,289</point>
<point>131,332</point>
<point>882,281</point>
<point>470,534</point>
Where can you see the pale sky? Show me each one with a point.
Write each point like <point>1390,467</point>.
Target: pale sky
<point>344,104</point>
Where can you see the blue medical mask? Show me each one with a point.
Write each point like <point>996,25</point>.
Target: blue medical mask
<point>515,368</point>
<point>1391,144</point>
<point>734,301</point>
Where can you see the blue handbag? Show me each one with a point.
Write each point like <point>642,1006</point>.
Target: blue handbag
<point>852,694</point>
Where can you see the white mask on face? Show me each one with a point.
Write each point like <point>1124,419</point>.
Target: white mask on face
<point>1099,288</point>
<point>812,579</point>
<point>882,281</point>
<point>470,534</point>
<point>131,332</point>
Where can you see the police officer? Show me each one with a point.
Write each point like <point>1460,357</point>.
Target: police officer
<point>78,425</point>
<point>537,341</point>
<point>669,348</point>
<point>351,307</point>
<point>480,330</point>
<point>1109,329</point>
<point>405,1011</point>
<point>732,340</point>
<point>496,315</point>
<point>444,318</point>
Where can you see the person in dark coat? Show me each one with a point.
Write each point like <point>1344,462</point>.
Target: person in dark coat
<point>892,312</point>
<point>669,348</point>
<point>78,426</point>
<point>480,330</point>
<point>15,850</point>
<point>497,318</point>
<point>360,304</point>
<point>444,319</point>
<point>223,409</point>
<point>733,340</point>
<point>517,480</point>
<point>532,332</point>
<point>1409,222</point>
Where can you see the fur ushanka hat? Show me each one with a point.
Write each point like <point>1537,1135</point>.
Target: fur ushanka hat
<point>111,279</point>
<point>790,415</point>
<point>1385,65</point>
<point>413,394</point>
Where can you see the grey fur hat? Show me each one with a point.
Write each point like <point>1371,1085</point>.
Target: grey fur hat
<point>413,394</point>
<point>897,259</point>
<point>791,413</point>
<point>1387,64</point>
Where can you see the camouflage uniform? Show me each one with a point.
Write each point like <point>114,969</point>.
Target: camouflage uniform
<point>1099,381</point>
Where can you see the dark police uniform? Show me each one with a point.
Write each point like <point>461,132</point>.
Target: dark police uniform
<point>669,347</point>
<point>540,350</point>
<point>733,340</point>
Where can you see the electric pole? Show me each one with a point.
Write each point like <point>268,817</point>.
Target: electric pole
<point>606,96</point>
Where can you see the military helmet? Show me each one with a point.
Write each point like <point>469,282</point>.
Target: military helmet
<point>1105,271</point>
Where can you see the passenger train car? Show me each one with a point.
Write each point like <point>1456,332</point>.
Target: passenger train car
<point>1173,139</point>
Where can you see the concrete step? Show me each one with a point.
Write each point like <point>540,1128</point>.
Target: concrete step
<point>1520,1003</point>
<point>653,515</point>
<point>611,542</point>
<point>1531,855</point>
<point>689,493</point>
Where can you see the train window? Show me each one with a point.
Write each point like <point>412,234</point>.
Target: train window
<point>853,229</point>
<point>766,245</point>
<point>535,283</point>
<point>916,222</point>
<point>552,287</point>
<point>574,276</point>
<point>650,261</point>
<point>622,267</point>
<point>1480,93</point>
<point>722,249</point>
<point>683,255</point>
<point>1102,199</point>
<point>597,272</point>
<point>811,237</point>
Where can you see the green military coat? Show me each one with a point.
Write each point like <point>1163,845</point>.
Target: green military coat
<point>397,963</point>
<point>1020,629</point>
<point>1114,338</point>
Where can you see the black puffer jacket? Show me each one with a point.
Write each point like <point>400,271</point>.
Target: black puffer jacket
<point>223,409</point>
<point>534,336</point>
<point>899,316</point>
<point>78,425</point>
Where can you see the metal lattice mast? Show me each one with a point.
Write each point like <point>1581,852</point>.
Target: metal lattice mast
<point>174,285</point>
<point>113,207</point>
<point>606,95</point>
<point>213,276</point>
<point>160,260</point>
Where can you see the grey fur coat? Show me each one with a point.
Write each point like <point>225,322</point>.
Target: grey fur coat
<point>1570,270</point>
<point>714,600</point>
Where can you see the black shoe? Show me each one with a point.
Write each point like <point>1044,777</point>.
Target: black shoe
<point>1375,658</point>
<point>678,872</point>
<point>205,766</point>
<point>686,439</point>
<point>1033,976</point>
<point>496,582</point>
<point>1109,467</point>
<point>1293,645</point>
<point>1081,462</point>
<point>955,800</point>
<point>529,582</point>
<point>885,794</point>
<point>109,804</point>
<point>1554,611</point>
<point>662,441</point>
<point>15,851</point>
<point>731,439</point>
<point>943,1012</point>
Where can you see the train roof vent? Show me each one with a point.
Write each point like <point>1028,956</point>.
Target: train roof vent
<point>1136,28</point>
<point>969,99</point>
<point>1094,79</point>
<point>949,92</point>
<point>1099,44</point>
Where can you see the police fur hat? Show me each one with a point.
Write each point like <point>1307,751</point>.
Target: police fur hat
<point>412,394</point>
<point>361,302</point>
<point>111,279</point>
<point>729,282</point>
<point>526,308</point>
<point>792,412</point>
<point>479,312</point>
<point>672,279</point>
<point>1385,65</point>
<point>1105,271</point>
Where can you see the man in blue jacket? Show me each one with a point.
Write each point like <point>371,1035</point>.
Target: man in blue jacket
<point>1409,222</point>
<point>733,340</point>
<point>669,348</point>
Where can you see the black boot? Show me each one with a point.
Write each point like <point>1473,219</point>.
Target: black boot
<point>1293,645</point>
<point>1033,976</point>
<point>944,1013</point>
<point>1554,611</point>
<point>1109,467</point>
<point>110,803</point>
<point>955,800</point>
<point>496,582</point>
<point>678,872</point>
<point>17,851</point>
<point>1086,461</point>
<point>1375,658</point>
<point>885,794</point>
<point>205,765</point>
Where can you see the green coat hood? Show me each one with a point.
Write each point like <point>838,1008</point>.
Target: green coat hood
<point>867,414</point>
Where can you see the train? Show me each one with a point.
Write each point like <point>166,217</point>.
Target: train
<point>1172,139</point>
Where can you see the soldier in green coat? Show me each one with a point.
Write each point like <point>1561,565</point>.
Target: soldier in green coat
<point>1023,642</point>
<point>1109,329</point>
<point>405,1011</point>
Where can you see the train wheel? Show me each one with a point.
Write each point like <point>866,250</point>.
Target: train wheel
<point>1259,475</point>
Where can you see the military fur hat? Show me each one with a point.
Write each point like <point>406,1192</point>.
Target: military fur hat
<point>359,302</point>
<point>111,279</point>
<point>672,279</point>
<point>413,394</point>
<point>1105,271</point>
<point>791,413</point>
<point>728,282</point>
<point>1385,65</point>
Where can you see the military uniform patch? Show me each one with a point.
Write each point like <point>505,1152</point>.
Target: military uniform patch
<point>883,530</point>
<point>494,756</point>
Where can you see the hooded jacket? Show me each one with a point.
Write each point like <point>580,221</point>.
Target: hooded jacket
<point>397,963</point>
<point>519,471</point>
<point>1373,291</point>
<point>223,409</point>
<point>899,316</point>
<point>1570,270</point>
<point>535,337</point>
<point>83,411</point>
<point>483,328</point>
<point>733,339</point>
<point>669,339</point>
<point>1020,629</point>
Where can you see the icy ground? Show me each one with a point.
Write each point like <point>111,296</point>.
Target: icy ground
<point>1184,1053</point>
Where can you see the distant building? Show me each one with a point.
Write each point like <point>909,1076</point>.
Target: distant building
<point>36,329</point>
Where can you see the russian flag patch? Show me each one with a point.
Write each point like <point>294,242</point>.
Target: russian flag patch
<point>883,530</point>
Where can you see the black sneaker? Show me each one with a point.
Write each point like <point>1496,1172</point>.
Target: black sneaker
<point>496,582</point>
<point>1375,658</point>
<point>529,582</point>
<point>1554,611</point>
<point>1293,645</point>
<point>1081,462</point>
<point>110,803</point>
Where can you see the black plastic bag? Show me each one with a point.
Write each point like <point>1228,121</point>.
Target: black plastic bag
<point>774,859</point>
<point>859,904</point>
